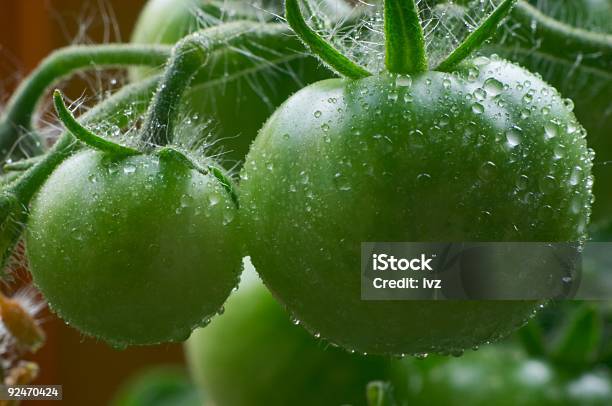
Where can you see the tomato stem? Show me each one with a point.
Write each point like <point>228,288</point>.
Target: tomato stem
<point>22,165</point>
<point>16,135</point>
<point>483,32</point>
<point>83,134</point>
<point>189,55</point>
<point>562,39</point>
<point>404,40</point>
<point>319,46</point>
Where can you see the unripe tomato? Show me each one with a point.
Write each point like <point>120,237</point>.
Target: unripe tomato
<point>499,376</point>
<point>133,250</point>
<point>245,91</point>
<point>488,153</point>
<point>254,355</point>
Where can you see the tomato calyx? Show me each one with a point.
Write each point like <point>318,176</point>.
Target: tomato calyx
<point>404,40</point>
<point>95,141</point>
<point>168,152</point>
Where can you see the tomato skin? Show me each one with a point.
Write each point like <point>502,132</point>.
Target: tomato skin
<point>240,103</point>
<point>253,354</point>
<point>136,250</point>
<point>496,375</point>
<point>344,162</point>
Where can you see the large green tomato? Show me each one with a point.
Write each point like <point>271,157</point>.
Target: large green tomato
<point>488,153</point>
<point>247,86</point>
<point>254,355</point>
<point>496,376</point>
<point>136,250</point>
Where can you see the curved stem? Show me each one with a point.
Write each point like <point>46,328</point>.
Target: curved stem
<point>83,134</point>
<point>484,31</point>
<point>321,48</point>
<point>563,39</point>
<point>16,120</point>
<point>22,165</point>
<point>404,40</point>
<point>188,57</point>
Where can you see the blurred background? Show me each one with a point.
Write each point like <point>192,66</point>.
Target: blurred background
<point>562,357</point>
<point>89,371</point>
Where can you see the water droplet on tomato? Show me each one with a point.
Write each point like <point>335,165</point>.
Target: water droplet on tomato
<point>403,81</point>
<point>487,171</point>
<point>477,108</point>
<point>493,86</point>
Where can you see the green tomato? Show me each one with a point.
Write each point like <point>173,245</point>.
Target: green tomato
<point>499,376</point>
<point>487,153</point>
<point>245,91</point>
<point>254,355</point>
<point>136,250</point>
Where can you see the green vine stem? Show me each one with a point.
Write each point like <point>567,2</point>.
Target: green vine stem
<point>22,165</point>
<point>562,39</point>
<point>188,57</point>
<point>83,134</point>
<point>16,196</point>
<point>16,121</point>
<point>404,40</point>
<point>320,47</point>
<point>483,32</point>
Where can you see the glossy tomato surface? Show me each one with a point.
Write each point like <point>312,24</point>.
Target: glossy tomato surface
<point>488,153</point>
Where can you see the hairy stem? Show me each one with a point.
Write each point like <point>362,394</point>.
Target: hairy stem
<point>16,121</point>
<point>404,40</point>
<point>83,134</point>
<point>15,197</point>
<point>22,165</point>
<point>320,47</point>
<point>188,56</point>
<point>559,38</point>
<point>483,32</point>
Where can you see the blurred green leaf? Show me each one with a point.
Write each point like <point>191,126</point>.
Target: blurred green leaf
<point>380,394</point>
<point>580,340</point>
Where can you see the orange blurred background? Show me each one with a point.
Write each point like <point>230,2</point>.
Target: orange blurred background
<point>89,371</point>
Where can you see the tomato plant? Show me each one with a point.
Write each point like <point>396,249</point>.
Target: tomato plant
<point>474,150</point>
<point>227,357</point>
<point>250,84</point>
<point>137,245</point>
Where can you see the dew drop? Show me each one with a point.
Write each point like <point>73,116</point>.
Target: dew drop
<point>487,171</point>
<point>522,182</point>
<point>213,199</point>
<point>513,137</point>
<point>550,131</point>
<point>403,81</point>
<point>317,113</point>
<point>480,94</point>
<point>477,108</point>
<point>493,86</point>
<point>548,184</point>
<point>423,178</point>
